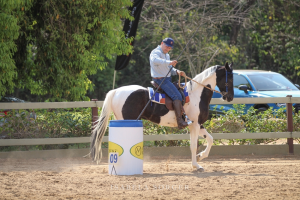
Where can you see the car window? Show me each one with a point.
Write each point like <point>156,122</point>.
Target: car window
<point>240,80</point>
<point>271,82</point>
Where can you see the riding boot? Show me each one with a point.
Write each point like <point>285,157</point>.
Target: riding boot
<point>178,108</point>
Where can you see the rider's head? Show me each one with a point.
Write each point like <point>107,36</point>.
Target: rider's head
<point>167,44</point>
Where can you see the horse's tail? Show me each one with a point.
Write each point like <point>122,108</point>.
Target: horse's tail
<point>100,127</point>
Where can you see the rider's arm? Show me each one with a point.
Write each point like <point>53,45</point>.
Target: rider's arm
<point>155,58</point>
<point>158,62</point>
<point>174,70</point>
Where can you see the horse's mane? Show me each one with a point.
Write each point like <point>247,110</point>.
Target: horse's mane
<point>203,76</point>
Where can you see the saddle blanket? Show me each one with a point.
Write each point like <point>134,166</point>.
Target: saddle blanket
<point>161,97</point>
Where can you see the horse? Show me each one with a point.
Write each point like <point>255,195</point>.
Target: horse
<point>127,102</point>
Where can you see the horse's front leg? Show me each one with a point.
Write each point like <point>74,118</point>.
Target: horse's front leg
<point>203,133</point>
<point>194,130</point>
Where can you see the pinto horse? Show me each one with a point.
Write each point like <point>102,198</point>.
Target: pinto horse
<point>127,103</point>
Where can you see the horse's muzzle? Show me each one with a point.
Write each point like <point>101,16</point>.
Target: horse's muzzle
<point>228,98</point>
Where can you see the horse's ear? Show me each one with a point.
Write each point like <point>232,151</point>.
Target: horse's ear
<point>227,66</point>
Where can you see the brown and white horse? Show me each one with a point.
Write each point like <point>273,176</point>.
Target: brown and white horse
<point>127,103</point>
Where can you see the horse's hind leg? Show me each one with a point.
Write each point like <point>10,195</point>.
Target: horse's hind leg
<point>203,133</point>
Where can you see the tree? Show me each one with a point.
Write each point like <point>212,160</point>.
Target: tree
<point>9,31</point>
<point>274,36</point>
<point>180,19</point>
<point>62,42</point>
<point>253,34</point>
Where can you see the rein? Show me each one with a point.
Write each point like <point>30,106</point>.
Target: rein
<point>226,83</point>
<point>186,77</point>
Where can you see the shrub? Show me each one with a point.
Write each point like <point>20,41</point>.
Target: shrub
<point>55,123</point>
<point>49,123</point>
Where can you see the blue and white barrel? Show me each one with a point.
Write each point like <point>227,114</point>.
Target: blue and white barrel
<point>126,139</point>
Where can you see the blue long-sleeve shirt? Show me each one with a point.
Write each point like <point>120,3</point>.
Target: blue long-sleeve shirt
<point>160,63</point>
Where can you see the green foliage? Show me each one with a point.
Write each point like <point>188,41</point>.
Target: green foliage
<point>9,31</point>
<point>179,20</point>
<point>48,123</point>
<point>154,129</point>
<point>103,81</point>
<point>268,39</point>
<point>60,43</point>
<point>61,123</point>
<point>236,120</point>
<point>58,50</point>
<point>274,37</point>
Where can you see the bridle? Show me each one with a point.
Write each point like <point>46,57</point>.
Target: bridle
<point>222,93</point>
<point>226,83</point>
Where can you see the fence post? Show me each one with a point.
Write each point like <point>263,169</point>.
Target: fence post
<point>289,112</point>
<point>94,114</point>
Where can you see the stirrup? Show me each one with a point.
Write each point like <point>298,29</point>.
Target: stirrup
<point>188,121</point>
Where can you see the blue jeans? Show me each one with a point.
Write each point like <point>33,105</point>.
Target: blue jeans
<point>168,87</point>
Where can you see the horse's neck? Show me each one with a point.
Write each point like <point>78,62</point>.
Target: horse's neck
<point>212,81</point>
<point>197,88</point>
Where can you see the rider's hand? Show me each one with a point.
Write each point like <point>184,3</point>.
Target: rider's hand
<point>182,73</point>
<point>173,62</point>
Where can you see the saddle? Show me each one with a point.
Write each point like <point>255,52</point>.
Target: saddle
<point>162,98</point>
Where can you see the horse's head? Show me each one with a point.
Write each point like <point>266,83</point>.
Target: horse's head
<point>225,81</point>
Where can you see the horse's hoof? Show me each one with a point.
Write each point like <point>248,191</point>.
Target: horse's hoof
<point>198,158</point>
<point>200,170</point>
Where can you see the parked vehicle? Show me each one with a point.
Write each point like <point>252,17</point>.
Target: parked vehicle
<point>258,83</point>
<point>4,112</point>
<point>8,100</point>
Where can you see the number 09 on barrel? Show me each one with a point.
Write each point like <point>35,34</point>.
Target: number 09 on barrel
<point>113,158</point>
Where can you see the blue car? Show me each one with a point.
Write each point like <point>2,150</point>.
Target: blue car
<point>258,83</point>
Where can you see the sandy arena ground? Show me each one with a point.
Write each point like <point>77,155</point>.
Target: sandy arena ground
<point>250,177</point>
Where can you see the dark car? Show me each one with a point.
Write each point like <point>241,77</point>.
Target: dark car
<point>4,112</point>
<point>258,83</point>
<point>8,100</point>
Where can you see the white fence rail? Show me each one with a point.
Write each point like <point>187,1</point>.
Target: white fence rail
<point>96,104</point>
<point>75,140</point>
<point>86,104</point>
<point>39,105</point>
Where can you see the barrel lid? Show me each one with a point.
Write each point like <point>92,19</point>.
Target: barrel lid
<point>126,123</point>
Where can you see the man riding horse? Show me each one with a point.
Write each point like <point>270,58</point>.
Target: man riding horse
<point>160,65</point>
